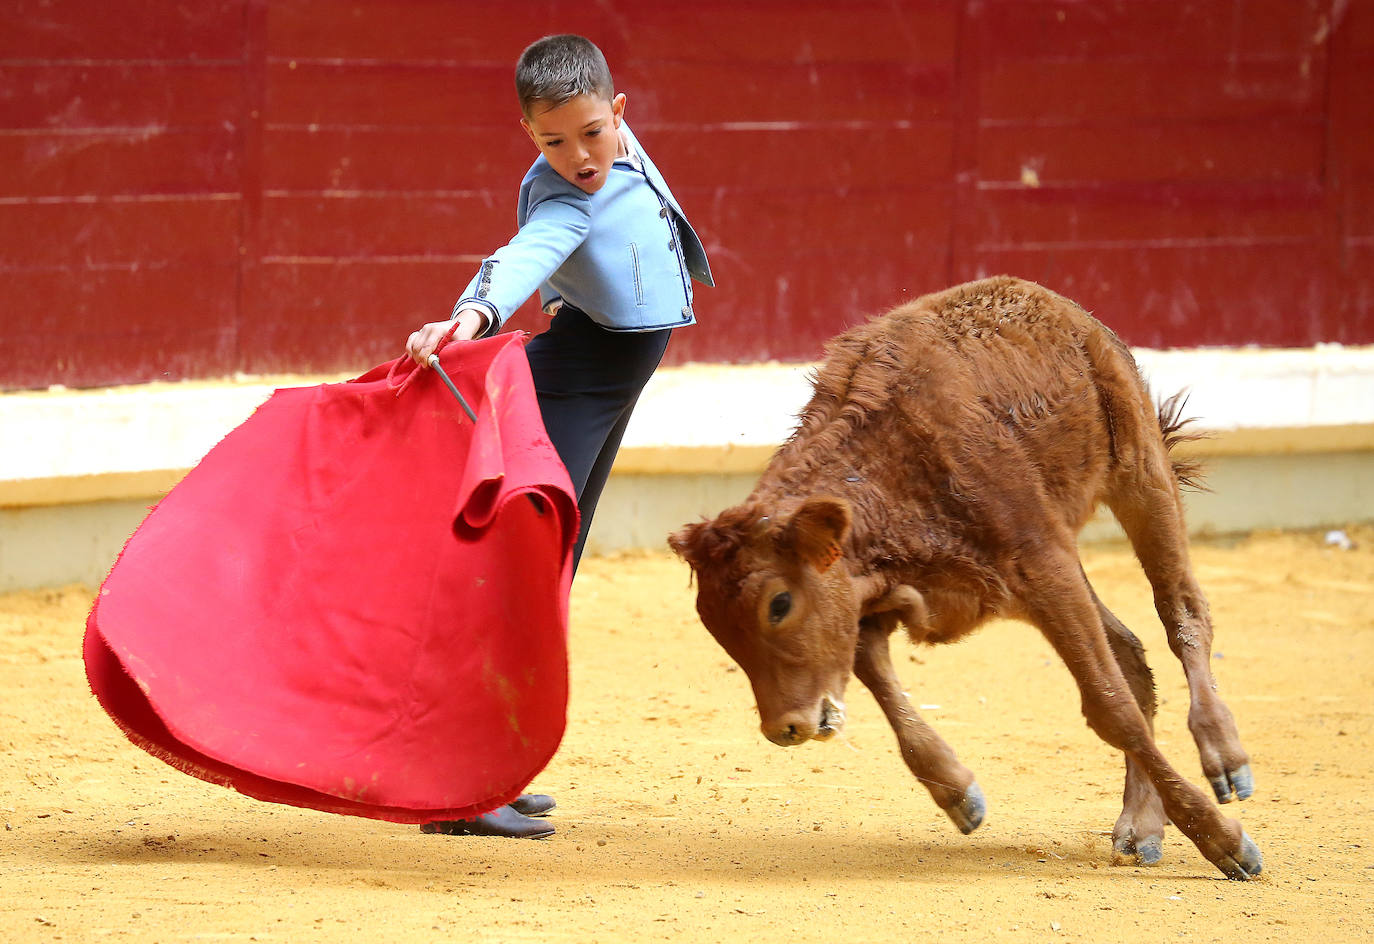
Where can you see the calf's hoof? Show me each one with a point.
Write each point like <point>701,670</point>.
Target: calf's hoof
<point>969,811</point>
<point>1245,864</point>
<point>1128,850</point>
<point>1239,781</point>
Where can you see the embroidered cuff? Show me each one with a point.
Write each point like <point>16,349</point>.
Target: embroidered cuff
<point>493,316</point>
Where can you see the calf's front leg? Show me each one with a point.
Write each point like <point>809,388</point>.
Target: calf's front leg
<point>950,783</point>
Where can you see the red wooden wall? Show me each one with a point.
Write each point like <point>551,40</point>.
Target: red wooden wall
<point>194,189</point>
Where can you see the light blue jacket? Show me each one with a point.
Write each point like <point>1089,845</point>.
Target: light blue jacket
<point>625,255</point>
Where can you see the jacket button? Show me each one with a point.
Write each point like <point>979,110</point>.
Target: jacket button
<point>686,313</point>
<point>671,244</point>
<point>663,212</point>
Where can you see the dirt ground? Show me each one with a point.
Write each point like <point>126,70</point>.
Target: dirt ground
<point>677,821</point>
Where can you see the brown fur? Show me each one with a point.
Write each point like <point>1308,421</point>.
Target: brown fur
<point>938,477</point>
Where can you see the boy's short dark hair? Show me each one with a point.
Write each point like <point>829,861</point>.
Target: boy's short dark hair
<point>555,69</point>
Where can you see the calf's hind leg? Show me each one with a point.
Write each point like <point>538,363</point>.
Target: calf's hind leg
<point>950,783</point>
<point>1149,509</point>
<point>1060,603</point>
<point>1138,836</point>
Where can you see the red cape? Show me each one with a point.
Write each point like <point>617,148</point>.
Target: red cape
<point>357,602</point>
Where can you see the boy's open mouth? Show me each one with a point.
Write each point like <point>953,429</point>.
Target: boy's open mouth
<point>586,174</point>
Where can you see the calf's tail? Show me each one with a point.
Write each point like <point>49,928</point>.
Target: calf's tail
<point>1188,471</point>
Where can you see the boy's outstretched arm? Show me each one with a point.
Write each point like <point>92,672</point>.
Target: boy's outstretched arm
<point>472,320</point>
<point>558,220</point>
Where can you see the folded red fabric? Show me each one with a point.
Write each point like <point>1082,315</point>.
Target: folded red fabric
<point>357,602</point>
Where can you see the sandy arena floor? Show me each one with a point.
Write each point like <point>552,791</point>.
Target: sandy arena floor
<point>677,821</point>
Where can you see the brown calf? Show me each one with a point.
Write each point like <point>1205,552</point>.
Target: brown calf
<point>938,478</point>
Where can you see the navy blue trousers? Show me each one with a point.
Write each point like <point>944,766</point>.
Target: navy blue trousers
<point>588,381</point>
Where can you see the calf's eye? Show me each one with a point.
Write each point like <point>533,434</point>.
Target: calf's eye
<point>779,607</point>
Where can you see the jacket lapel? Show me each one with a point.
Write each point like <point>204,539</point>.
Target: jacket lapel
<point>692,250</point>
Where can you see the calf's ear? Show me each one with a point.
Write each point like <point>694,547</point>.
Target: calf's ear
<point>682,542</point>
<point>817,529</point>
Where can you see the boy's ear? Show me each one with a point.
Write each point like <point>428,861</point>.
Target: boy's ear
<point>618,108</point>
<point>525,123</point>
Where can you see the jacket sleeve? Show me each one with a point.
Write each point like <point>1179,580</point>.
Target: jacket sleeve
<point>557,223</point>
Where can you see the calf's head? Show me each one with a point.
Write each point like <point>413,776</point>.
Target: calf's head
<point>775,593</point>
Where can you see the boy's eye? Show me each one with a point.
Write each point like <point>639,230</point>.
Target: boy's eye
<point>593,133</point>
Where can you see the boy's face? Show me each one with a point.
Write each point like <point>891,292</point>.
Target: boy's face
<point>580,138</point>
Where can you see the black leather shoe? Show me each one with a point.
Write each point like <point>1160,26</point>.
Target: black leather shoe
<point>533,804</point>
<point>502,821</point>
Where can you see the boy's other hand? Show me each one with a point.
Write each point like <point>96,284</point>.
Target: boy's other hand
<point>422,343</point>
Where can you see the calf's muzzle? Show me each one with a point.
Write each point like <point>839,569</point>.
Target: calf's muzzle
<point>820,723</point>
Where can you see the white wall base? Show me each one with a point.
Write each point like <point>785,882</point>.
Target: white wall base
<point>54,545</point>
<point>78,469</point>
<point>1250,493</point>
